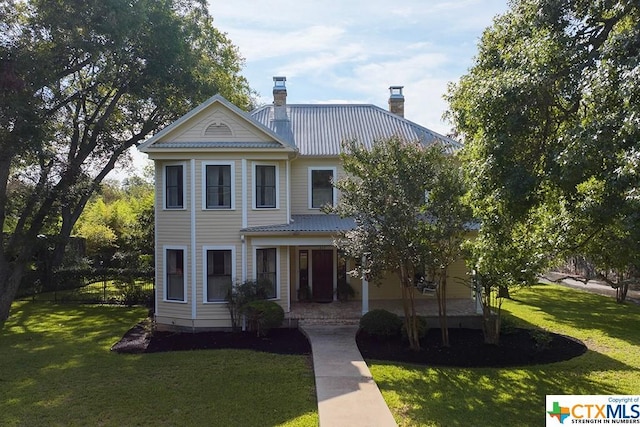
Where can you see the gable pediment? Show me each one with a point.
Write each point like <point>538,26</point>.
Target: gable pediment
<point>215,124</point>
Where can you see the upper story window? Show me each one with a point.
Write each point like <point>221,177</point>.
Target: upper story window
<point>265,186</point>
<point>174,186</point>
<point>321,190</point>
<point>218,186</point>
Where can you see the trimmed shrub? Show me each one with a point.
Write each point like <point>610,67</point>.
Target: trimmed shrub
<point>240,295</point>
<point>422,329</point>
<point>262,316</point>
<point>381,323</point>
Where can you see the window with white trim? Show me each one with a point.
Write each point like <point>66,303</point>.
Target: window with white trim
<point>174,272</point>
<point>266,270</point>
<point>174,186</point>
<point>265,186</point>
<point>219,274</point>
<point>321,189</point>
<point>218,186</point>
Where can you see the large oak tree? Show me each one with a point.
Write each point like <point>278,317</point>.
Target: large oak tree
<point>550,116</point>
<point>81,82</point>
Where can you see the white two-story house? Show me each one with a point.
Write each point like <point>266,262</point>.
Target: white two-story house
<point>238,197</point>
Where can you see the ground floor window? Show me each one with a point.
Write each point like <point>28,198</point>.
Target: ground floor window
<point>219,280</point>
<point>266,262</point>
<point>174,290</point>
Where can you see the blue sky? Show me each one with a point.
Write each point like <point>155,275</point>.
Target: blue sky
<point>336,51</point>
<point>353,50</point>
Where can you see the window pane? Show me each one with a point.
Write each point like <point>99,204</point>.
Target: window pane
<point>266,270</point>
<point>175,275</point>
<point>174,187</point>
<point>265,186</point>
<point>218,274</point>
<point>321,188</point>
<point>218,182</point>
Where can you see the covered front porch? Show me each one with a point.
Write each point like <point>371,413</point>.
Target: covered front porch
<point>461,312</point>
<point>311,272</point>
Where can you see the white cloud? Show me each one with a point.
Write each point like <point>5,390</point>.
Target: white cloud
<point>336,51</point>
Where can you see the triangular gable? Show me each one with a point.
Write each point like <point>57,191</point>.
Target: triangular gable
<point>216,123</point>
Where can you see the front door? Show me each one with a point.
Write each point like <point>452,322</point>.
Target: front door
<point>322,274</point>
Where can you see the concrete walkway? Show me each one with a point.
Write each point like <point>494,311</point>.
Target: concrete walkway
<point>347,394</point>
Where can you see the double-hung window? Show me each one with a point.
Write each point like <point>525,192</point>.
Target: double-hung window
<point>219,276</point>
<point>266,270</point>
<point>175,280</point>
<point>218,187</point>
<point>321,191</point>
<point>174,186</point>
<point>266,188</point>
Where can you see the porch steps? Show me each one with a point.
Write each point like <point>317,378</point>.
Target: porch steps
<point>328,322</point>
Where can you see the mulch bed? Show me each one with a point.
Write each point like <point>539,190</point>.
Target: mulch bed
<point>516,348</point>
<point>467,349</point>
<point>280,341</point>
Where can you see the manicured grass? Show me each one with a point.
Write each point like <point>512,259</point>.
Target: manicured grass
<point>56,369</point>
<point>420,396</point>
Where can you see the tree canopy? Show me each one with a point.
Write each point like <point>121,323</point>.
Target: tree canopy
<point>405,198</point>
<point>550,117</point>
<point>81,83</point>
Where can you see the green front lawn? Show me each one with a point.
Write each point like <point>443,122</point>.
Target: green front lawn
<point>56,369</point>
<point>420,396</point>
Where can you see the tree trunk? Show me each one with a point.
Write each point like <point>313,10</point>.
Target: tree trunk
<point>441,294</point>
<point>490,320</point>
<point>409,308</point>
<point>10,276</point>
<point>621,292</point>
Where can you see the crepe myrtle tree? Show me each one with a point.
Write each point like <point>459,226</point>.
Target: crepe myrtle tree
<point>393,191</point>
<point>81,82</point>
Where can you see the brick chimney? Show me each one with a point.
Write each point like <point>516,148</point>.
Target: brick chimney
<point>279,98</point>
<point>279,91</point>
<point>396,100</point>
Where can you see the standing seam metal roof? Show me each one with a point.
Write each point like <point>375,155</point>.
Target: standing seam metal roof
<point>320,223</point>
<point>320,129</point>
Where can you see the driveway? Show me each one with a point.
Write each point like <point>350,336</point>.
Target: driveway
<point>593,286</point>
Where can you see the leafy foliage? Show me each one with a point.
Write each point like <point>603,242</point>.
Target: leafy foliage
<point>423,328</point>
<point>116,71</point>
<point>242,294</point>
<point>263,315</point>
<point>381,323</point>
<point>549,116</point>
<point>405,198</point>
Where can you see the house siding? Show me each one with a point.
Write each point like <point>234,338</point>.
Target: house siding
<point>388,287</point>
<point>194,227</point>
<point>172,230</point>
<point>267,216</point>
<point>300,181</point>
<point>239,130</point>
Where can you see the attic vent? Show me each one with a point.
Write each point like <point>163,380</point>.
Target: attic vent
<point>218,130</point>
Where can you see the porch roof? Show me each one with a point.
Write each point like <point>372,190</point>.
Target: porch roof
<point>320,223</point>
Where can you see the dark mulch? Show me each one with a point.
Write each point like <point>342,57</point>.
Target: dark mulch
<point>516,348</point>
<point>280,341</point>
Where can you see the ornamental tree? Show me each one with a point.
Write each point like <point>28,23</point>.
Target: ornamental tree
<point>398,194</point>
